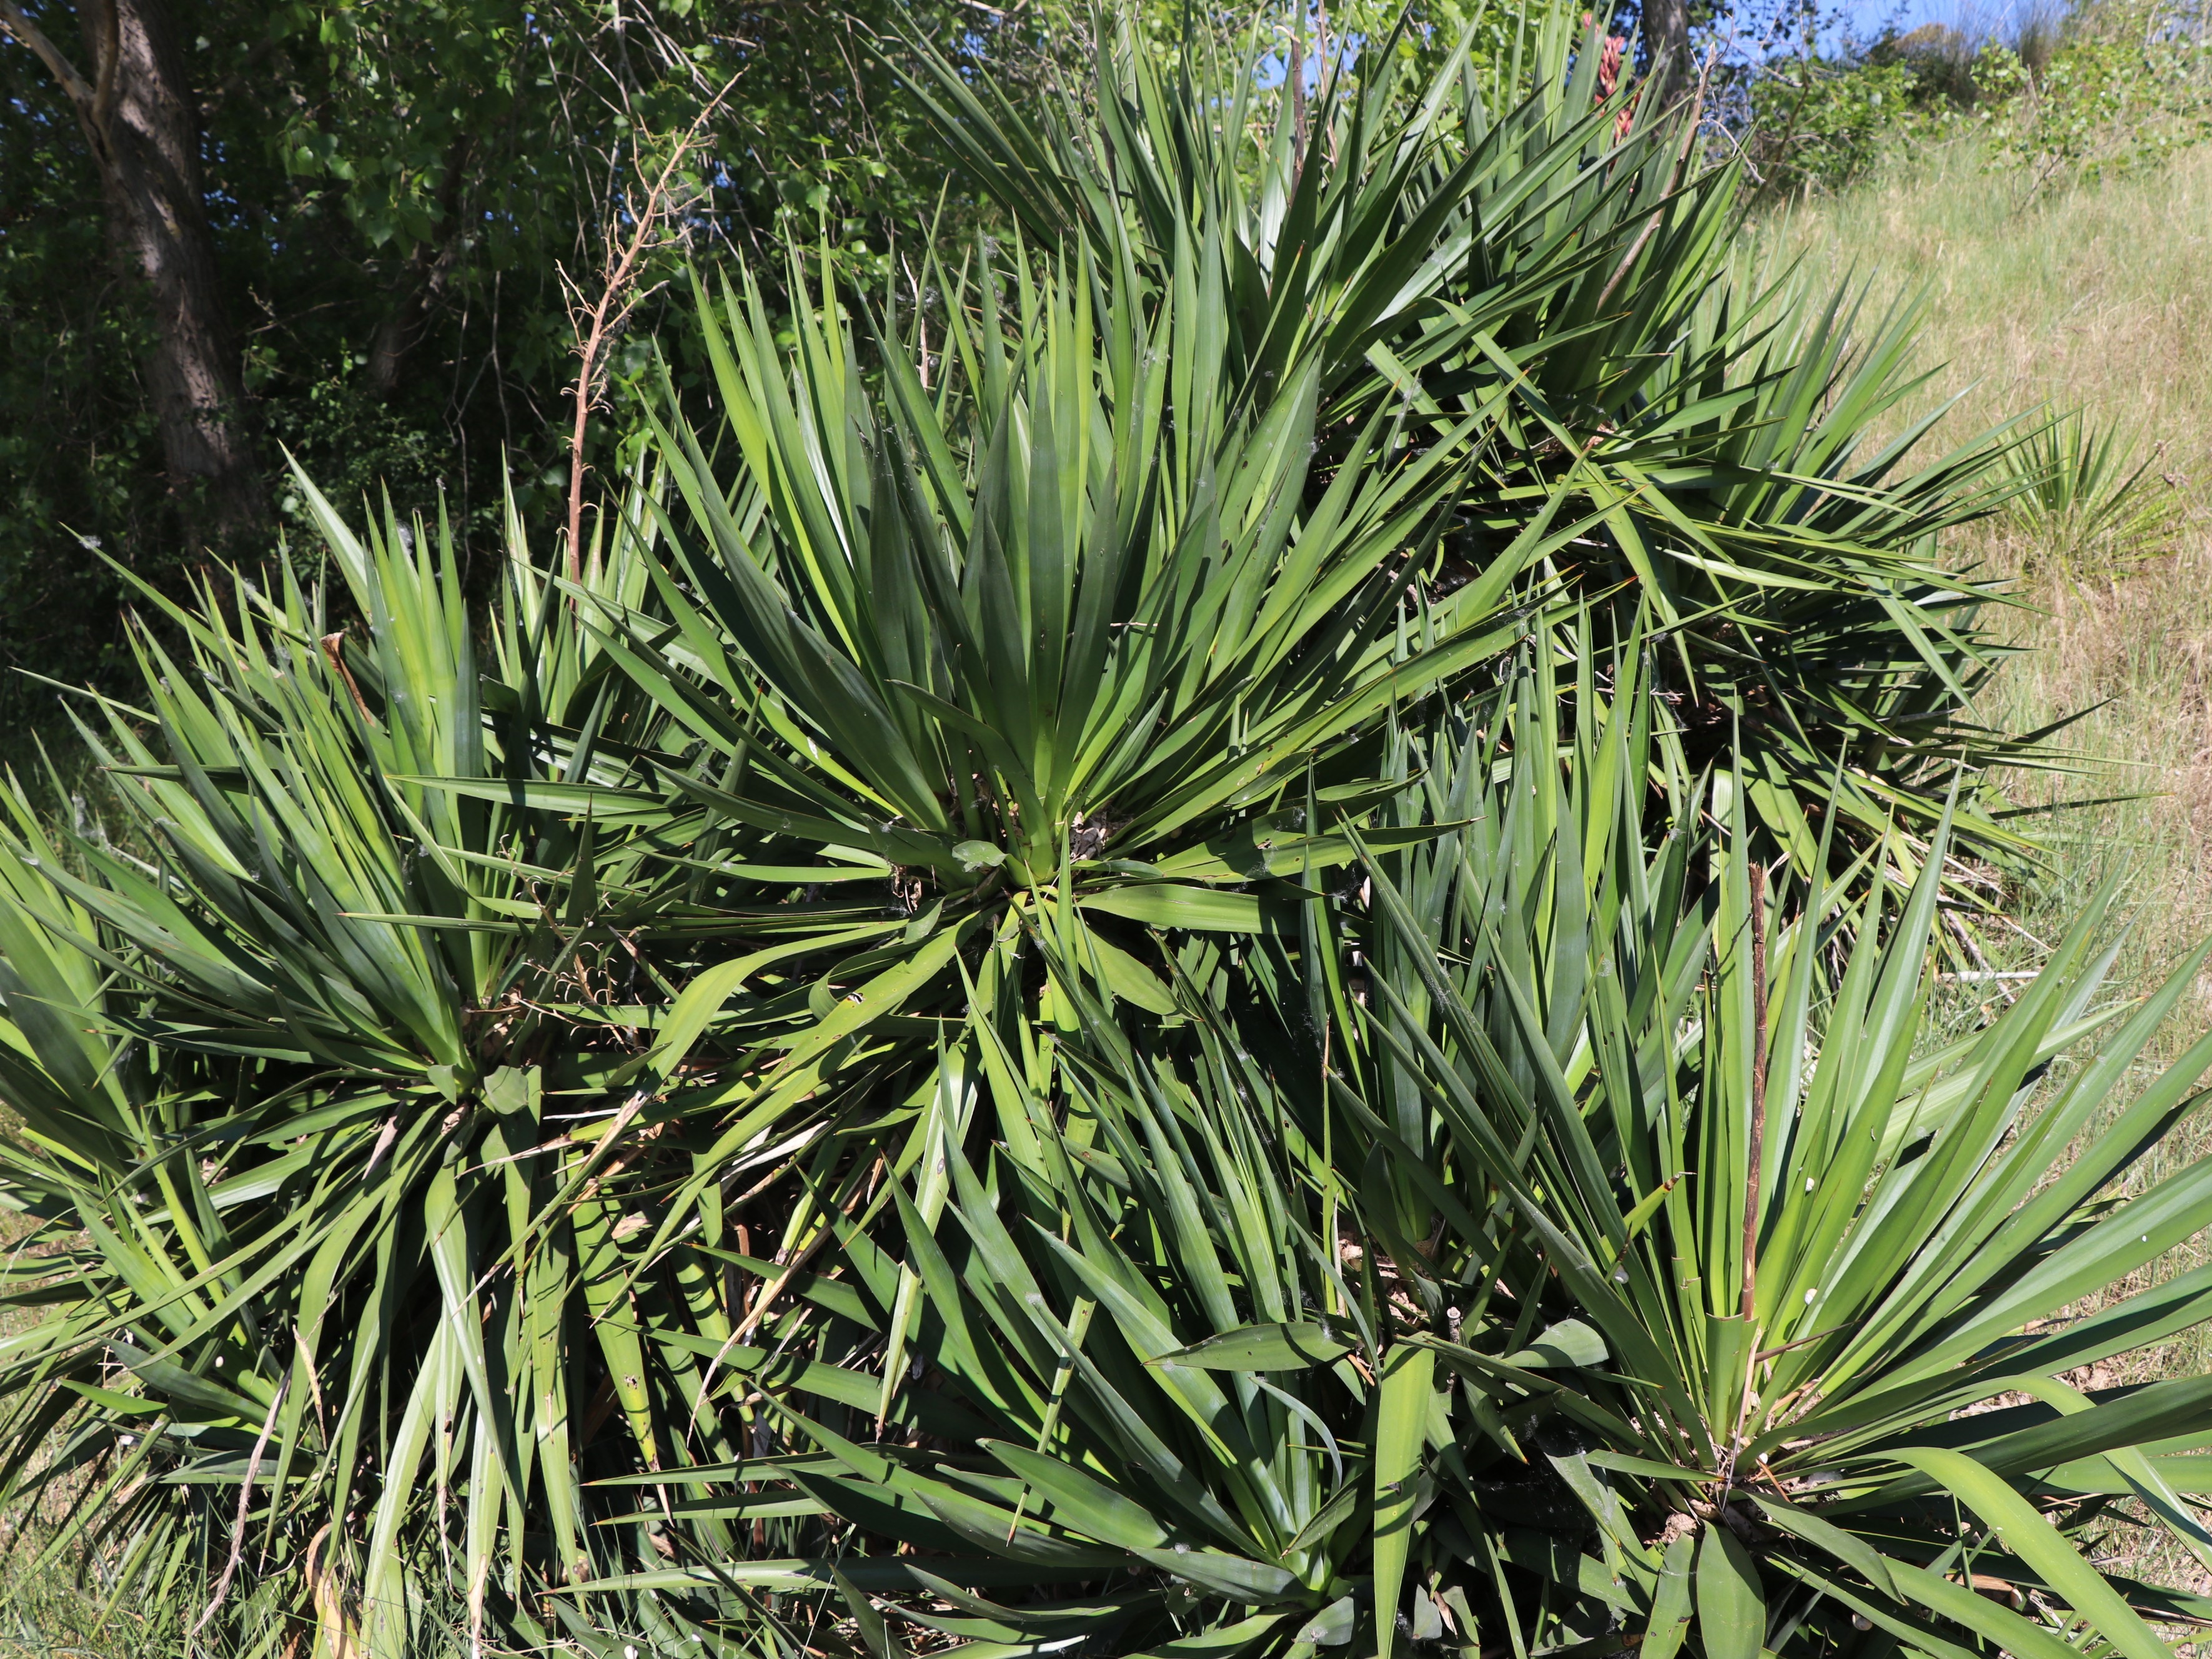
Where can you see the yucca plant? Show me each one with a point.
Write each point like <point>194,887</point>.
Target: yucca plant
<point>2077,501</point>
<point>321,1070</point>
<point>1516,265</point>
<point>1069,623</point>
<point>907,1052</point>
<point>1142,1404</point>
<point>1844,1287</point>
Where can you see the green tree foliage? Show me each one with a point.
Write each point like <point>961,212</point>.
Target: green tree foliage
<point>406,202</point>
<point>2058,98</point>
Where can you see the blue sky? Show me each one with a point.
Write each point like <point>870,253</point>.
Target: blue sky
<point>1865,17</point>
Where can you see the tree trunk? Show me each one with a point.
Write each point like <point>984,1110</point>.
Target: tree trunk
<point>1667,39</point>
<point>137,115</point>
<point>422,283</point>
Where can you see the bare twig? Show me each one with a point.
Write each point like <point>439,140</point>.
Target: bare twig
<point>618,298</point>
<point>245,1507</point>
<point>93,102</point>
<point>1651,225</point>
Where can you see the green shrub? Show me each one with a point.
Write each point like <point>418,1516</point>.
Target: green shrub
<point>2109,85</point>
<point>994,1023</point>
<point>1822,127</point>
<point>2128,83</point>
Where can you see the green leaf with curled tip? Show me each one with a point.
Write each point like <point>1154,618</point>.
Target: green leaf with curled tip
<point>978,855</point>
<point>1265,1348</point>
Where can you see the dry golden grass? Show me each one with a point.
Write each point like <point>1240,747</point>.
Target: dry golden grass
<point>2102,300</point>
<point>2099,300</point>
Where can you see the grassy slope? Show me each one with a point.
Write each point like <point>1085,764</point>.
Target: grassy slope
<point>2100,298</point>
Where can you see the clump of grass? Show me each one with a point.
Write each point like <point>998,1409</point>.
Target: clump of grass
<point>53,1612</point>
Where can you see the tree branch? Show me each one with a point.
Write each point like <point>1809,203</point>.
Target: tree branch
<point>110,55</point>
<point>79,90</point>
